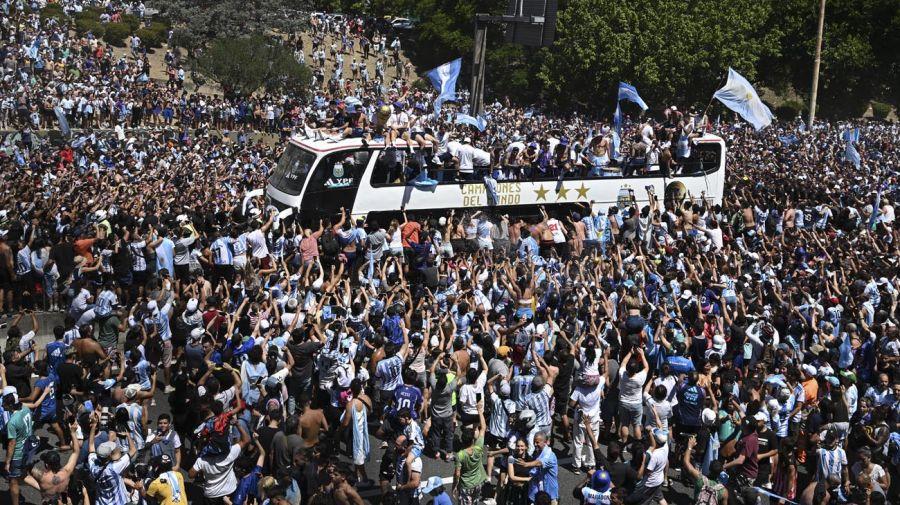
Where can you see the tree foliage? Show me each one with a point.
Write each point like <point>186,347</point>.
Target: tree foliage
<point>244,65</point>
<point>669,50</point>
<point>197,22</point>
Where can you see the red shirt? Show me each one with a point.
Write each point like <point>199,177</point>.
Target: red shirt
<point>409,232</point>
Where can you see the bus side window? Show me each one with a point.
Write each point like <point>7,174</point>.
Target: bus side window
<point>340,170</point>
<point>389,168</point>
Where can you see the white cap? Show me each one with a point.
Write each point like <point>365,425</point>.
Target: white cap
<point>761,416</point>
<point>192,305</point>
<point>196,333</point>
<point>686,294</point>
<point>718,342</point>
<point>708,417</point>
<point>132,390</point>
<point>808,369</point>
<point>264,324</point>
<point>106,449</point>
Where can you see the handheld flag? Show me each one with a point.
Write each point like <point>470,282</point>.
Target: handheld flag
<point>63,123</point>
<point>738,95</point>
<point>617,118</point>
<point>852,155</point>
<point>629,92</point>
<point>478,122</point>
<point>444,79</point>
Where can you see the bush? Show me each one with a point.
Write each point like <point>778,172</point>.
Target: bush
<point>881,110</point>
<point>116,34</point>
<point>91,13</point>
<point>84,25</point>
<point>132,21</point>
<point>151,38</point>
<point>789,110</point>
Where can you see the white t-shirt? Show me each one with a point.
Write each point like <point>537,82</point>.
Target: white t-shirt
<point>589,399</point>
<point>656,466</point>
<point>556,229</point>
<point>220,478</point>
<point>630,388</point>
<point>466,156</point>
<point>257,242</point>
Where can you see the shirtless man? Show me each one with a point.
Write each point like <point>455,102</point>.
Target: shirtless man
<point>312,424</point>
<point>53,481</point>
<point>89,349</point>
<point>7,275</point>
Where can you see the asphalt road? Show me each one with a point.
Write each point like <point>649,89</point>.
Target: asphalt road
<point>678,494</point>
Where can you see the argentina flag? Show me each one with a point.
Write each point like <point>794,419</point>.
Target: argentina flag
<point>738,95</point>
<point>443,78</point>
<point>629,92</point>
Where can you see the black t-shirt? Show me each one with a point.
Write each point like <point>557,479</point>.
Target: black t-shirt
<point>69,376</point>
<point>304,355</point>
<point>563,383</point>
<point>64,256</point>
<point>767,442</point>
<point>18,375</point>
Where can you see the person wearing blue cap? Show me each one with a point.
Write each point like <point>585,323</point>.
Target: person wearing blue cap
<point>434,487</point>
<point>598,490</point>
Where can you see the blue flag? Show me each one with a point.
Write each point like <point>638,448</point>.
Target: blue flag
<point>802,126</point>
<point>63,122</point>
<point>443,78</point>
<point>851,135</point>
<point>876,209</point>
<point>738,95</point>
<point>629,92</point>
<point>35,47</point>
<point>480,122</point>
<point>788,139</point>
<point>617,119</point>
<point>852,155</point>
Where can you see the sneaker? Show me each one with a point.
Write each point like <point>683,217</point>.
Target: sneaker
<point>169,390</point>
<point>384,445</point>
<point>153,402</point>
<point>577,470</point>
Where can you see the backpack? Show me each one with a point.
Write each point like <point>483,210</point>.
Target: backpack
<point>709,493</point>
<point>330,245</point>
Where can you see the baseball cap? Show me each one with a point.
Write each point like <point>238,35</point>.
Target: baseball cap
<point>686,294</point>
<point>503,351</point>
<point>850,376</point>
<point>601,481</point>
<point>661,435</point>
<point>432,483</point>
<point>760,416</point>
<point>106,449</point>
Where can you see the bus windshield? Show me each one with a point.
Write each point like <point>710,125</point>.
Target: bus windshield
<point>290,174</point>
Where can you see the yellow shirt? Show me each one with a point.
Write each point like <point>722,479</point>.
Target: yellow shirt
<point>162,491</point>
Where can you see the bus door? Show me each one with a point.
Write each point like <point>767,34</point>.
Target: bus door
<point>334,183</point>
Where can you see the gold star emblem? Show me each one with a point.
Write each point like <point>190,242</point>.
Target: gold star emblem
<point>582,192</point>
<point>562,193</point>
<point>541,193</point>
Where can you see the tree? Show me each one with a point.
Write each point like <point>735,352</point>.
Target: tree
<point>243,65</point>
<point>859,52</point>
<point>670,50</point>
<point>197,22</point>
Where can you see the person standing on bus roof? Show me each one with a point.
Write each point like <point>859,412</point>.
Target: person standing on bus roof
<point>466,157</point>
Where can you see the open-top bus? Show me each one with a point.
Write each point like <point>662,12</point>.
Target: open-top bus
<point>319,177</point>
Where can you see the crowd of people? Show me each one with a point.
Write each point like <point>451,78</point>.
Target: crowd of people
<point>742,351</point>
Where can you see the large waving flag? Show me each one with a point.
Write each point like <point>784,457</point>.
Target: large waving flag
<point>444,79</point>
<point>629,92</point>
<point>738,95</point>
<point>850,153</point>
<point>480,122</point>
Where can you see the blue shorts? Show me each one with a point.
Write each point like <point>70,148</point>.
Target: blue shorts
<point>16,469</point>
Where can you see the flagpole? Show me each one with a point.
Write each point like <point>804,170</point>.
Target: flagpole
<point>818,60</point>
<point>713,97</point>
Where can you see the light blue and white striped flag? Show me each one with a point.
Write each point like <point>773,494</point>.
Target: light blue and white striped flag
<point>629,92</point>
<point>738,95</point>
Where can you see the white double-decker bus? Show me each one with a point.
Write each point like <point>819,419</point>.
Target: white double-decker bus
<point>318,177</point>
